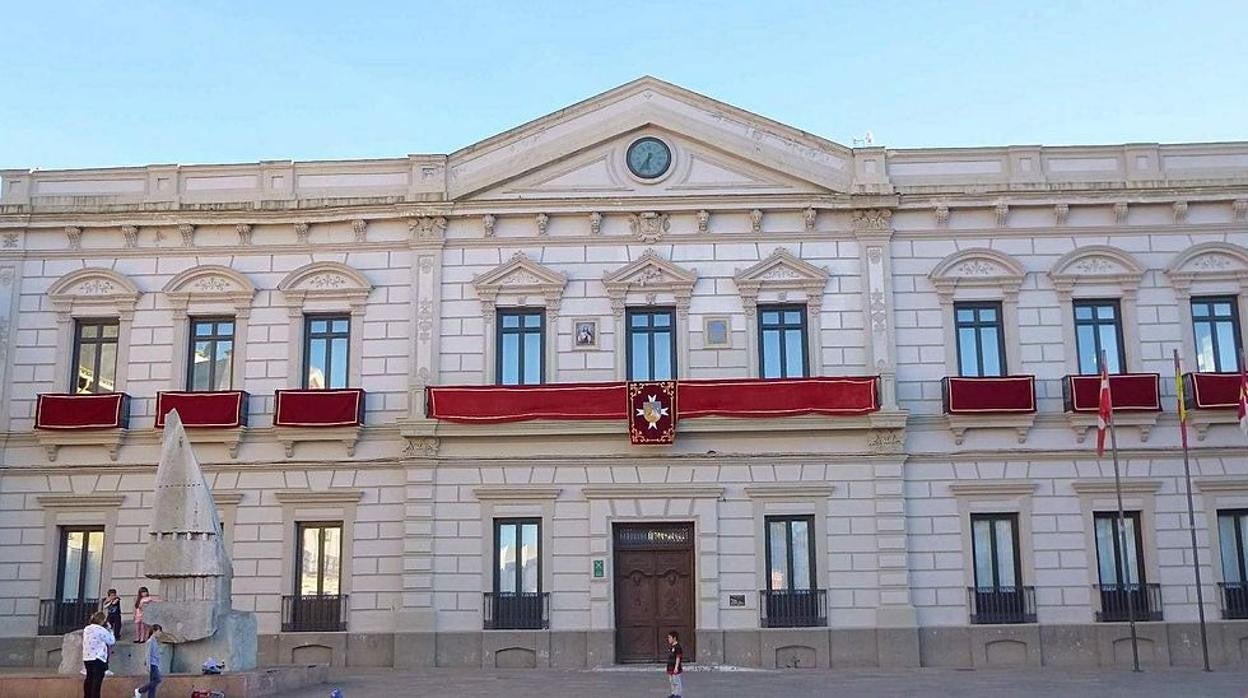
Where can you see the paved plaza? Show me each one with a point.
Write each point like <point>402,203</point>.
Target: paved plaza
<point>785,684</point>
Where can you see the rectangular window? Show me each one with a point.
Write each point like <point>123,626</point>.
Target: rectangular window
<point>981,340</point>
<point>995,550</point>
<point>1110,556</point>
<point>1098,327</point>
<point>320,558</point>
<point>782,341</point>
<point>651,344</point>
<point>790,553</point>
<point>1215,324</point>
<point>521,346</point>
<point>517,556</point>
<point>1233,539</point>
<point>327,343</point>
<point>211,362</point>
<point>80,563</point>
<point>95,356</point>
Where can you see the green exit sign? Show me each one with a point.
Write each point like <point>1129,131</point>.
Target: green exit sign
<point>600,569</point>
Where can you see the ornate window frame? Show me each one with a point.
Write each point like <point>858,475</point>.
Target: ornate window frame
<point>1099,271</point>
<point>790,499</point>
<point>325,287</point>
<point>77,509</point>
<point>93,292</point>
<point>209,290</point>
<point>979,274</point>
<point>1207,269</point>
<point>518,501</point>
<point>783,278</point>
<point>520,283</point>
<point>651,281</point>
<point>1138,494</point>
<point>996,497</point>
<point>1217,493</point>
<point>333,504</point>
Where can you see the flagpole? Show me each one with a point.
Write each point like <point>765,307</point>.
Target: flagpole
<point>1122,531</point>
<point>1191,508</point>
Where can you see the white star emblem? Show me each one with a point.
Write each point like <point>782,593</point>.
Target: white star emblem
<point>652,411</point>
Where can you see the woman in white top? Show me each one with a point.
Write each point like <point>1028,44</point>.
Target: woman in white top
<point>96,640</point>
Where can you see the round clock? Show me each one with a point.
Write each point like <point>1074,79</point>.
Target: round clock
<point>648,158</point>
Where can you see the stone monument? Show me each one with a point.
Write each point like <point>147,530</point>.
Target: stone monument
<point>186,554</point>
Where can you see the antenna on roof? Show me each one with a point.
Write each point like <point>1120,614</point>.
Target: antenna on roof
<point>867,139</point>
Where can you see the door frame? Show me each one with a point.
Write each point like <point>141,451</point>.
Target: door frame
<point>689,643</point>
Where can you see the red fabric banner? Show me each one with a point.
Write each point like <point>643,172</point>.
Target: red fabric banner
<point>1211,391</point>
<point>495,404</point>
<point>319,408</point>
<point>86,411</point>
<point>1132,392</point>
<point>995,395</point>
<point>203,410</point>
<point>761,398</point>
<point>652,412</point>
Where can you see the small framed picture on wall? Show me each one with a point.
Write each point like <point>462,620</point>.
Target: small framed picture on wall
<point>584,334</point>
<point>717,332</point>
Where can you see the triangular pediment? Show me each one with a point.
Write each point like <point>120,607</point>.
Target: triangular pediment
<point>782,270</point>
<point>519,275</point>
<point>652,273</point>
<point>579,151</point>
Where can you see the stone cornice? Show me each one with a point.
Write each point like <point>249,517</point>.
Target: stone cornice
<point>1106,486</point>
<point>984,488</point>
<point>227,497</point>
<point>1236,485</point>
<point>80,501</point>
<point>516,492</point>
<point>657,490</point>
<point>332,496</point>
<point>789,490</point>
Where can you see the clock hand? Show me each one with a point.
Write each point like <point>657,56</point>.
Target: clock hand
<point>645,164</point>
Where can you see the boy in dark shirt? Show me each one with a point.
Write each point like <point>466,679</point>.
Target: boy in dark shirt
<point>675,664</point>
<point>112,607</point>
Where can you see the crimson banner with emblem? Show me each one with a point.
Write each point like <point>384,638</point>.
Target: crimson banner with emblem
<point>652,412</point>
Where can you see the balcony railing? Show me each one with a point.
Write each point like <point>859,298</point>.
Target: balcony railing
<point>994,605</point>
<point>1120,601</point>
<point>60,617</point>
<point>528,610</point>
<point>793,608</point>
<point>1234,600</point>
<point>325,614</point>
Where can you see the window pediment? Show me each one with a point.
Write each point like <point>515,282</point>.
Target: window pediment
<point>95,291</point>
<point>650,274</point>
<point>1096,264</point>
<point>782,271</point>
<point>521,277</point>
<point>1210,261</point>
<point>210,283</point>
<point>977,267</point>
<point>325,281</point>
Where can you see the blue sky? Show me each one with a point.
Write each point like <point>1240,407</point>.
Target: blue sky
<point>86,84</point>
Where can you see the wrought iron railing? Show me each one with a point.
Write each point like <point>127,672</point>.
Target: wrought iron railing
<point>793,608</point>
<point>994,605</point>
<point>326,613</point>
<point>1234,600</point>
<point>528,610</point>
<point>60,617</point>
<point>1120,602</point>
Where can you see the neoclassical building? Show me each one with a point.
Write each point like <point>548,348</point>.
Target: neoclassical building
<point>408,381</point>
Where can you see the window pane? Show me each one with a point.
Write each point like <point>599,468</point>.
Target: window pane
<point>1105,312</point>
<point>85,375</point>
<point>320,326</point>
<point>506,558</point>
<point>771,317</point>
<point>991,348</point>
<point>74,543</point>
<point>662,319</point>
<point>533,320</point>
<point>641,357</point>
<point>1005,552</point>
<point>89,331</point>
<point>641,320</point>
<point>778,566</point>
<point>1205,360</point>
<point>663,356</point>
<point>1230,555</point>
<point>1130,559</point>
<point>532,358</point>
<point>1227,349</point>
<point>968,355</point>
<point>107,380</point>
<point>202,365</point>
<point>1083,312</point>
<point>965,315</point>
<point>511,321</point>
<point>771,354</point>
<point>1200,309</point>
<point>316,364</point>
<point>801,555</point>
<point>988,314</point>
<point>342,325</point>
<point>224,364</point>
<point>1222,309</point>
<point>1086,346</point>
<point>793,317</point>
<point>310,561</point>
<point>794,361</point>
<point>203,328</point>
<point>95,564</point>
<point>1106,564</point>
<point>1243,550</point>
<point>1109,342</point>
<point>110,330</point>
<point>338,364</point>
<point>981,539</point>
<point>510,355</point>
<point>528,557</point>
<point>331,565</point>
<point>225,329</point>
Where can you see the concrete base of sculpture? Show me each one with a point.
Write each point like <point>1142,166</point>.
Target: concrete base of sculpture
<point>128,658</point>
<point>264,681</point>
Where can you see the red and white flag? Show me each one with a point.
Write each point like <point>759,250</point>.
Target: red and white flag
<point>1105,409</point>
<point>1243,396</point>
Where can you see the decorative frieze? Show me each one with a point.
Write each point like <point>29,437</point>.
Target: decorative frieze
<point>756,221</point>
<point>487,224</point>
<point>704,221</point>
<point>872,220</point>
<point>187,231</point>
<point>1239,210</point>
<point>1180,211</point>
<point>131,234</point>
<point>809,217</point>
<point>360,227</point>
<point>1120,212</point>
<point>1061,214</point>
<point>427,228</point>
<point>942,215</point>
<point>244,231</point>
<point>1002,213</point>
<point>543,222</point>
<point>302,231</point>
<point>595,223</point>
<point>74,234</point>
<point>649,226</point>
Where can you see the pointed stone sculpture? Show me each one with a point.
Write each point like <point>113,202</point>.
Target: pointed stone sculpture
<point>186,554</point>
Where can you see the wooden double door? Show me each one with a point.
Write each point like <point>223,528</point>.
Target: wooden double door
<point>654,590</point>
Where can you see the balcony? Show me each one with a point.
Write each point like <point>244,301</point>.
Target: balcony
<point>1136,398</point>
<point>311,614</point>
<point>1234,597</point>
<point>1211,391</point>
<point>86,411</point>
<point>1000,402</point>
<point>793,608</point>
<point>529,610</point>
<point>998,605</point>
<point>60,617</point>
<point>225,409</point>
<point>320,416</point>
<point>1144,601</point>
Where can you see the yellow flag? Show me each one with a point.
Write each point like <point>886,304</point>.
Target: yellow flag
<point>1178,390</point>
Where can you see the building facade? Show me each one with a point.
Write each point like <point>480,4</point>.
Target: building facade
<point>331,329</point>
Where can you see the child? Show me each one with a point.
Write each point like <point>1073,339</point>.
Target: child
<point>675,664</point>
<point>153,664</point>
<point>140,628</point>
<point>112,607</point>
<point>95,643</point>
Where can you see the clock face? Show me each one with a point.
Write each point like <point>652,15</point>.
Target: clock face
<point>649,158</point>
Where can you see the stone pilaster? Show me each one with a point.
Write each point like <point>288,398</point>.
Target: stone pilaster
<point>428,236</point>
<point>874,230</point>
